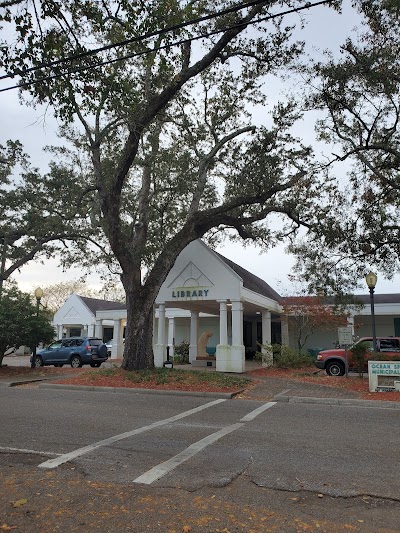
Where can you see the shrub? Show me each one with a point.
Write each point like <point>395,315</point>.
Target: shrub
<point>181,353</point>
<point>359,353</point>
<point>285,357</point>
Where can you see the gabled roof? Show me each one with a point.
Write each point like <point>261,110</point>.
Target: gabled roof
<point>95,304</point>
<point>250,281</point>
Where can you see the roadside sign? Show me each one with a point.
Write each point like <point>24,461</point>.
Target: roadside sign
<point>345,335</point>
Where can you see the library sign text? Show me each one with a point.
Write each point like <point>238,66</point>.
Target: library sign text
<point>186,292</point>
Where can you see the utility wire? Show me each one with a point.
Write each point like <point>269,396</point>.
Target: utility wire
<point>138,38</point>
<point>162,47</point>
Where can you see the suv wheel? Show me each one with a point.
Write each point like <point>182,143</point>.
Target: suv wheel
<point>38,361</point>
<point>76,361</point>
<point>335,368</point>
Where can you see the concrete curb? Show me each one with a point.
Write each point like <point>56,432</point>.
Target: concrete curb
<point>123,390</point>
<point>337,401</point>
<point>21,382</point>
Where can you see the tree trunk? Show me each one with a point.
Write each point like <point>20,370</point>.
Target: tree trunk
<point>2,350</point>
<point>138,353</point>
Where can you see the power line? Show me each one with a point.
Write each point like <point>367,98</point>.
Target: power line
<point>162,47</point>
<point>139,38</point>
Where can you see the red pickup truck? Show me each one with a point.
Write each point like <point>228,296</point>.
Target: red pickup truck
<point>334,362</point>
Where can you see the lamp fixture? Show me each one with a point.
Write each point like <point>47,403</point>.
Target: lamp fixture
<point>371,280</point>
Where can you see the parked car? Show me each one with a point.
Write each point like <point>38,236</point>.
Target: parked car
<point>109,345</point>
<point>334,361</point>
<point>76,351</point>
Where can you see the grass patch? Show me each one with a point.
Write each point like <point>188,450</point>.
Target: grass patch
<point>107,372</point>
<point>168,376</point>
<point>216,378</point>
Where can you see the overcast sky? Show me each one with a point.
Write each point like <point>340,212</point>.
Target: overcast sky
<point>36,129</point>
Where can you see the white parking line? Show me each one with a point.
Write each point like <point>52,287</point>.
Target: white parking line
<point>23,450</point>
<point>164,468</point>
<point>53,463</point>
<point>257,411</point>
<point>160,470</point>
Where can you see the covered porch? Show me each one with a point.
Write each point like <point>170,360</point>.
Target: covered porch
<point>226,307</point>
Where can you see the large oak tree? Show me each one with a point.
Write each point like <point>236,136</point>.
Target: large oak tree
<point>165,124</point>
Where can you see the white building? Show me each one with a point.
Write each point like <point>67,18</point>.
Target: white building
<point>205,293</point>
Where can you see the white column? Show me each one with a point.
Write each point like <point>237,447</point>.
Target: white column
<point>194,317</point>
<point>98,330</point>
<point>59,331</point>
<point>285,330</point>
<point>266,327</point>
<point>231,358</point>
<point>159,349</point>
<point>267,355</point>
<point>237,323</point>
<point>171,335</point>
<point>116,339</point>
<point>223,322</point>
<point>91,330</point>
<point>161,324</point>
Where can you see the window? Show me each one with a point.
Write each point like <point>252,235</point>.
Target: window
<point>369,344</point>
<point>55,345</point>
<point>95,342</point>
<point>68,342</point>
<point>389,345</point>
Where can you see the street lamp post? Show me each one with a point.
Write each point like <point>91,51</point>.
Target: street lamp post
<point>371,280</point>
<point>38,296</point>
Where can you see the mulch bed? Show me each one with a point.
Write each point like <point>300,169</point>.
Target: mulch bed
<point>120,382</point>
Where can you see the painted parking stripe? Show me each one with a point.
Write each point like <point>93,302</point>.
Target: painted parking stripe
<point>164,468</point>
<point>257,411</point>
<point>23,450</point>
<point>53,463</point>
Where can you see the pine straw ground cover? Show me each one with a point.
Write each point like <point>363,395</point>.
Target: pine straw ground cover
<point>308,374</point>
<point>160,378</point>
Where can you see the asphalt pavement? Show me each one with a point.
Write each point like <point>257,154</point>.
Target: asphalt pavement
<point>242,466</point>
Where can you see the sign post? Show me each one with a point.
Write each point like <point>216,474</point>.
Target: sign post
<point>346,338</point>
